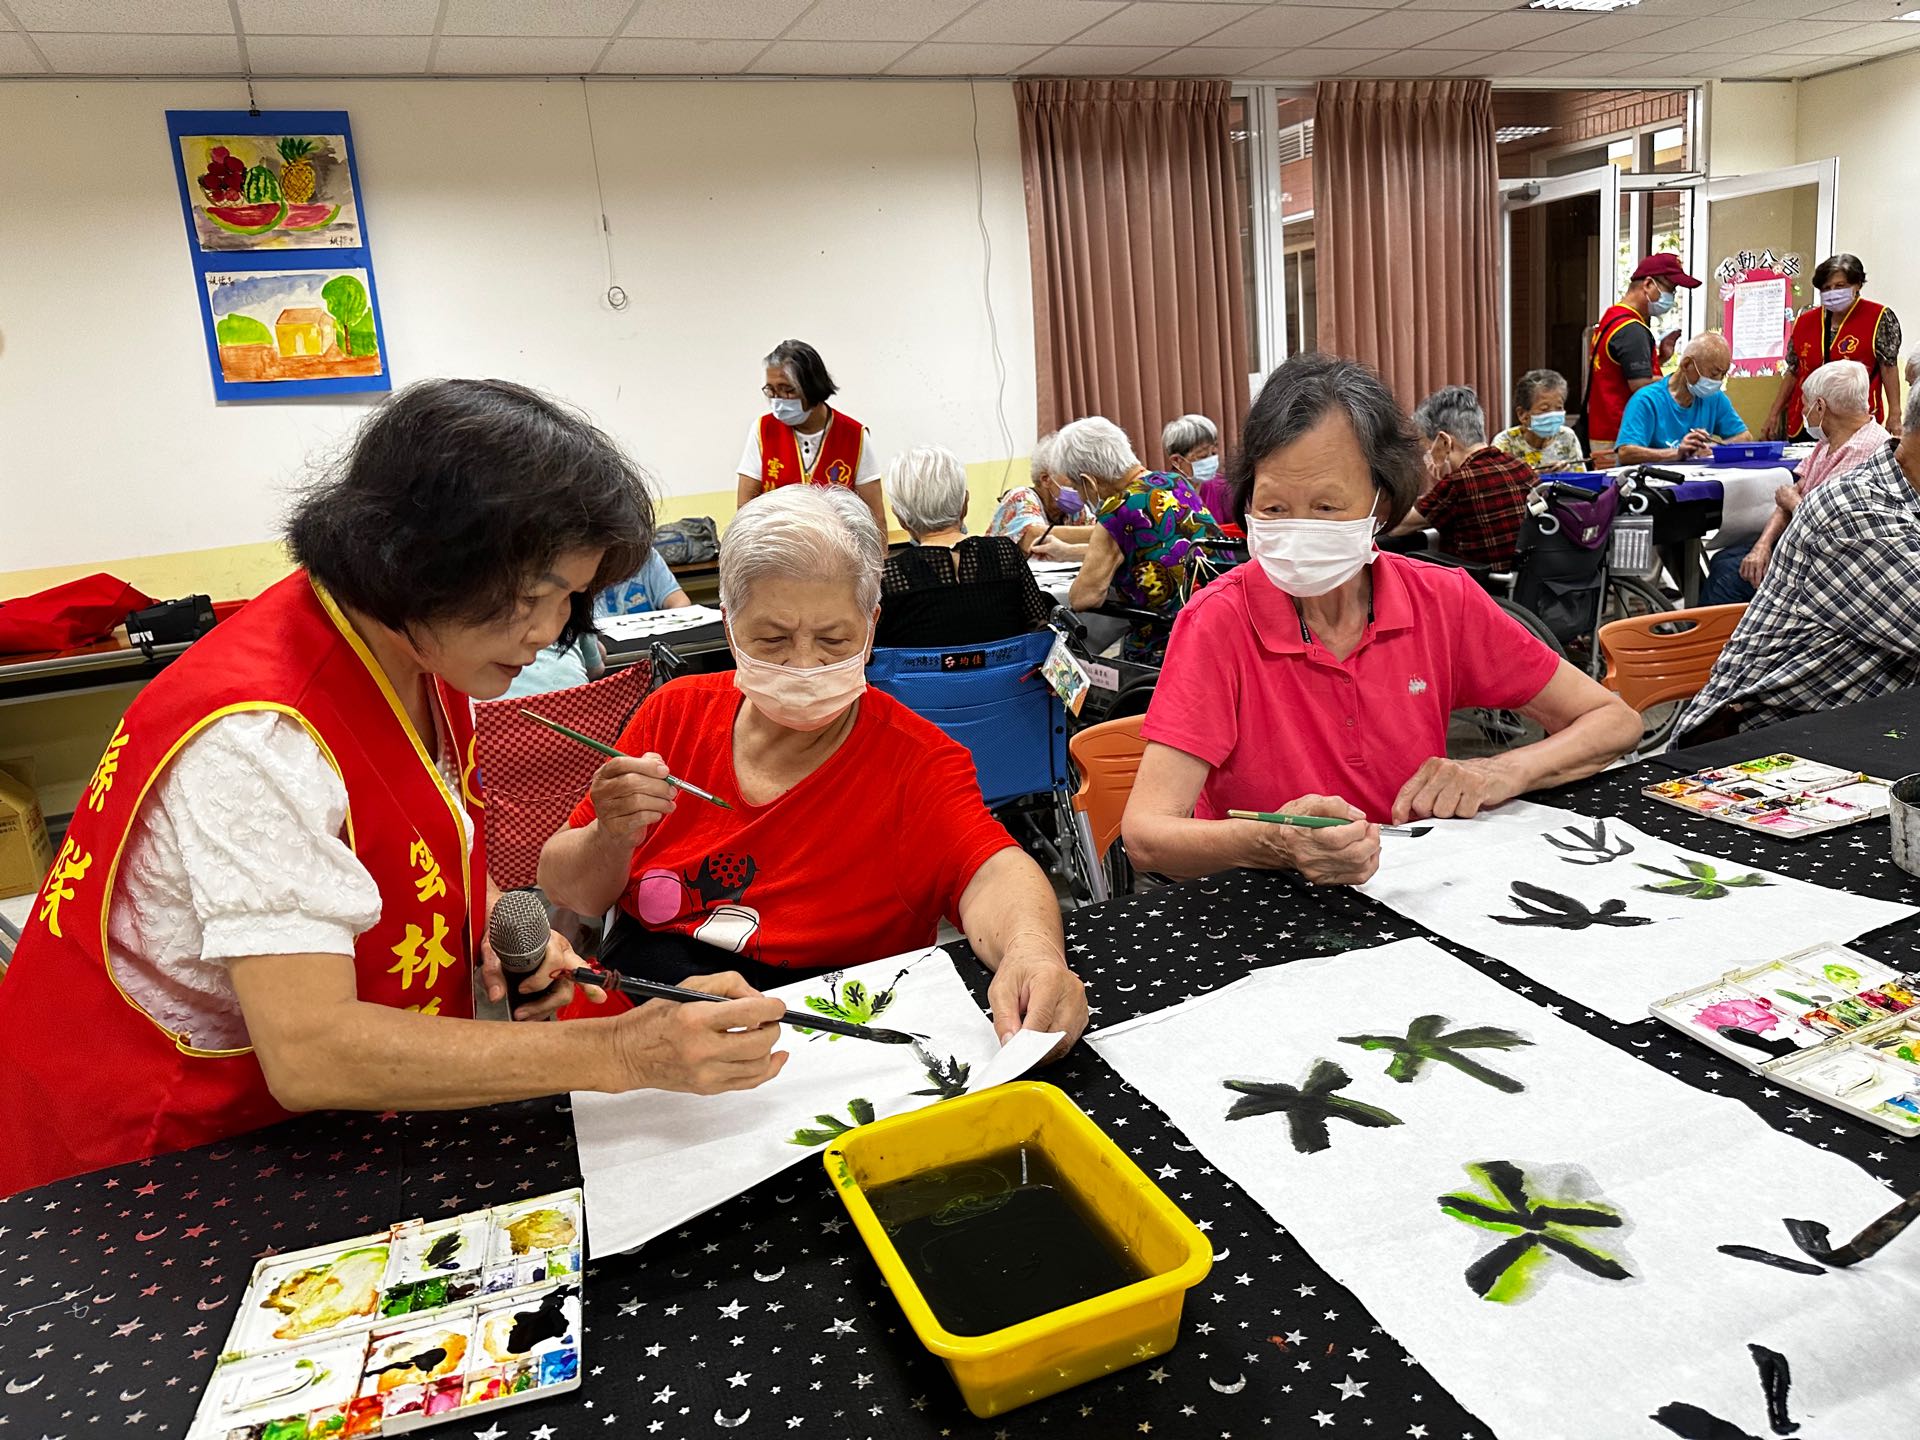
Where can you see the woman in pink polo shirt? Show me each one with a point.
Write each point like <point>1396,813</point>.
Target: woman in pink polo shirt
<point>1318,677</point>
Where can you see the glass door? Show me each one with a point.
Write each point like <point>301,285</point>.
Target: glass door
<point>1559,239</point>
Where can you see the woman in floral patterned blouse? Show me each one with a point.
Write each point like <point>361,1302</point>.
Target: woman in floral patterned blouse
<point>1542,438</point>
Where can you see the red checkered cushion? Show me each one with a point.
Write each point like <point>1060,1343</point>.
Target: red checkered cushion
<point>534,777</point>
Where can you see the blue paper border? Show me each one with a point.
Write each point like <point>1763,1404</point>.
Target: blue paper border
<point>359,257</point>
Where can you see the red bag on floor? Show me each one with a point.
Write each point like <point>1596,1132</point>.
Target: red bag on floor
<point>76,613</point>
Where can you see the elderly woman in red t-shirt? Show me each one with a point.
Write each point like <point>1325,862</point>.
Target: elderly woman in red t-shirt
<point>1318,678</point>
<point>854,825</point>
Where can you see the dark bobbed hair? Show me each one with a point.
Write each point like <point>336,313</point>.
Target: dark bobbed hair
<point>1839,267</point>
<point>456,493</point>
<point>1303,392</point>
<point>809,371</point>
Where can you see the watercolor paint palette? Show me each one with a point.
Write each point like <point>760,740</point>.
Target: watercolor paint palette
<point>430,1321</point>
<point>1784,796</point>
<point>1827,1022</point>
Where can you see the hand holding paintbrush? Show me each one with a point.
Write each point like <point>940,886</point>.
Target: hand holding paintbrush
<point>631,793</point>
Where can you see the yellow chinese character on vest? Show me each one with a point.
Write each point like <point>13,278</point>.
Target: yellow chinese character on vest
<point>431,884</point>
<point>104,772</point>
<point>420,951</point>
<point>69,866</point>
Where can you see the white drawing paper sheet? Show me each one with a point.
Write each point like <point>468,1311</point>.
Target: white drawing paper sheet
<point>1458,881</point>
<point>644,623</point>
<point>1581,1357</point>
<point>652,1159</point>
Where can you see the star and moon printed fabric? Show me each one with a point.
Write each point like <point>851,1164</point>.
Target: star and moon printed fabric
<point>766,1317</point>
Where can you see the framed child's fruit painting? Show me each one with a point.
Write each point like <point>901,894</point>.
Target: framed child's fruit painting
<point>270,192</point>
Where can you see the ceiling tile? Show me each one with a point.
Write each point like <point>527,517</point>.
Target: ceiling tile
<point>1746,11</point>
<point>1290,25</point>
<point>1572,34</point>
<point>1889,36</point>
<point>701,20</point>
<point>1603,32</point>
<point>1079,59</point>
<point>140,17</point>
<point>876,19</point>
<point>1403,30</point>
<point>1422,63</point>
<point>549,17</point>
<point>678,57</point>
<point>1208,61</point>
<point>1833,39</point>
<point>1461,4</point>
<point>1761,67</point>
<point>1511,64</point>
<point>514,55</point>
<point>338,54</point>
<point>1313,64</point>
<point>141,54</point>
<point>1860,10</point>
<point>1029,22</point>
<point>828,57</point>
<point>1796,34</point>
<point>17,57</point>
<point>1156,22</point>
<point>940,58</point>
<point>339,17</point>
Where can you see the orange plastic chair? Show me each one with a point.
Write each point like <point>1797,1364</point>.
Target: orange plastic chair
<point>1107,756</point>
<point>1655,658</point>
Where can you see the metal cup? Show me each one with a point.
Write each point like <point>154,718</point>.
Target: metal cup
<point>1903,815</point>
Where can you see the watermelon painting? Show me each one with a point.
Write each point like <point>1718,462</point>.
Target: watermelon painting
<point>248,219</point>
<point>270,192</point>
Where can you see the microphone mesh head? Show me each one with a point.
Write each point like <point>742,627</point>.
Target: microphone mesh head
<point>519,929</point>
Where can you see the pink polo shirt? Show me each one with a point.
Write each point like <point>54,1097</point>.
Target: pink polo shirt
<point>1277,717</point>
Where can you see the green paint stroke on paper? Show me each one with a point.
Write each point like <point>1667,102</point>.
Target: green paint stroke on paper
<point>1537,1229</point>
<point>832,1128</point>
<point>851,1002</point>
<point>1702,882</point>
<point>1423,1042</point>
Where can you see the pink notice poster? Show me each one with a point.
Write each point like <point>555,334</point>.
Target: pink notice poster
<point>1758,322</point>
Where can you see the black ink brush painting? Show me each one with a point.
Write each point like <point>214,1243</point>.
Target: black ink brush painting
<point>1308,1106</point>
<point>1537,1229</point>
<point>1701,881</point>
<point>1588,847</point>
<point>1424,1043</point>
<point>1550,908</point>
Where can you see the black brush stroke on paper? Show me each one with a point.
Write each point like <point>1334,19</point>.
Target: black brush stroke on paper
<point>1546,907</point>
<point>1767,1257</point>
<point>1775,1046</point>
<point>1424,1042</point>
<point>1690,1422</point>
<point>1811,1236</point>
<point>1518,1210</point>
<point>1594,847</point>
<point>1307,1107</point>
<point>948,1077</point>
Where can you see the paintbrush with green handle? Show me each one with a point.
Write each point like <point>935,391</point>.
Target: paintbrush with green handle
<point>1320,822</point>
<point>612,754</point>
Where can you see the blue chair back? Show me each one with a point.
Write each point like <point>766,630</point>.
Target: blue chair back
<point>991,699</point>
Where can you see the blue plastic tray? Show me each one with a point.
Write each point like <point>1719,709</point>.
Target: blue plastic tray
<point>1749,451</point>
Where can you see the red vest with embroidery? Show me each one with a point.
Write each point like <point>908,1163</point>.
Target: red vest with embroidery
<point>87,1077</point>
<point>1608,389</point>
<point>837,463</point>
<point>1852,339</point>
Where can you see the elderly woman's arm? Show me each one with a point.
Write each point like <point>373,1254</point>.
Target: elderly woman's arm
<point>1103,560</point>
<point>1012,920</point>
<point>585,868</point>
<point>1586,726</point>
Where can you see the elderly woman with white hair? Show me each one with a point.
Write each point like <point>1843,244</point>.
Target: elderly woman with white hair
<point>1834,401</point>
<point>1044,518</point>
<point>851,826</point>
<point>1150,522</point>
<point>1192,446</point>
<point>949,587</point>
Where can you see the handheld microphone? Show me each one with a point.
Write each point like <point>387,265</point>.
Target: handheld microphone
<point>519,931</point>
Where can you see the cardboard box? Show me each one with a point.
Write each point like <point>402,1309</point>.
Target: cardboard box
<point>25,850</point>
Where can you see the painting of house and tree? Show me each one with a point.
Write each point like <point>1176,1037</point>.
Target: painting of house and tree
<point>290,325</point>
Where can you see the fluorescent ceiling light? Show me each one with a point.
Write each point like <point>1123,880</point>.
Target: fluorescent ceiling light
<point>1507,134</point>
<point>1600,5</point>
<point>1910,15</point>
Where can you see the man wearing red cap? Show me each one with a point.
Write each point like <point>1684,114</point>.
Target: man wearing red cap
<point>1620,357</point>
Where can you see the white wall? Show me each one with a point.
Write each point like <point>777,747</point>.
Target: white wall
<point>839,212</point>
<point>1750,125</point>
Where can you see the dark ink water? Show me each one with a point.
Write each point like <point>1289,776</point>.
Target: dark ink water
<point>999,1240</point>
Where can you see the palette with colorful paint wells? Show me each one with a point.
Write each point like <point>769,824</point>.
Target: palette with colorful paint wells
<point>1827,1022</point>
<point>1784,796</point>
<point>429,1321</point>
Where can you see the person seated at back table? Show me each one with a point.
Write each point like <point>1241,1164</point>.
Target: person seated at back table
<point>1833,620</point>
<point>1542,438</point>
<point>1834,406</point>
<point>855,825</point>
<point>1479,495</point>
<point>652,587</point>
<point>1144,543</point>
<point>1046,519</point>
<point>1684,415</point>
<point>1192,446</point>
<point>1318,678</point>
<point>948,587</point>
<point>573,663</point>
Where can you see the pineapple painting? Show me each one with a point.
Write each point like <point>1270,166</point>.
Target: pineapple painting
<point>296,170</point>
<point>271,192</point>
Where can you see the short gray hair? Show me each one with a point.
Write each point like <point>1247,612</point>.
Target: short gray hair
<point>807,532</point>
<point>927,487</point>
<point>1187,434</point>
<point>1040,461</point>
<point>1094,446</point>
<point>1456,410</point>
<point>1302,393</point>
<point>1536,383</point>
<point>1840,384</point>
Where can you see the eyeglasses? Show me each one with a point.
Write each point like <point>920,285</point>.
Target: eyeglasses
<point>784,393</point>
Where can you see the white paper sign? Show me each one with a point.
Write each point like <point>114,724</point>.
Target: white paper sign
<point>643,624</point>
<point>1759,319</point>
<point>1626,1304</point>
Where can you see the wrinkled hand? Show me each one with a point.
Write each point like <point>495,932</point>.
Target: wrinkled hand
<point>1444,789</point>
<point>1787,497</point>
<point>630,795</point>
<point>701,1049</point>
<point>1054,548</point>
<point>1336,855</point>
<point>1696,443</point>
<point>1034,990</point>
<point>1753,569</point>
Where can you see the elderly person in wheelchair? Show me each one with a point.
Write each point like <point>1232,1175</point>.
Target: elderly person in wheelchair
<point>1318,678</point>
<point>851,825</point>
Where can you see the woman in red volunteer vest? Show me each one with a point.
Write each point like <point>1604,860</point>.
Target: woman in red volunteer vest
<point>803,440</point>
<point>1840,325</point>
<point>270,895</point>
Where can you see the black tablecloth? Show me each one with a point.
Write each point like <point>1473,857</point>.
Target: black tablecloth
<point>1880,736</point>
<point>117,1288</point>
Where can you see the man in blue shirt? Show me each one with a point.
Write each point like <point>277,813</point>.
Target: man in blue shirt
<point>653,588</point>
<point>1682,418</point>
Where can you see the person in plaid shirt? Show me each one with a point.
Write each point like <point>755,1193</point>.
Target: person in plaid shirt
<point>1480,497</point>
<point>1833,622</point>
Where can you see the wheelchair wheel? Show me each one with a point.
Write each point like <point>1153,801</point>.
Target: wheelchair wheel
<point>1478,733</point>
<point>1628,599</point>
<point>1134,697</point>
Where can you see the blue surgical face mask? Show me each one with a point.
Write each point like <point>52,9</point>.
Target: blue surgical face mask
<point>1206,467</point>
<point>1662,305</point>
<point>790,412</point>
<point>1548,425</point>
<point>1706,385</point>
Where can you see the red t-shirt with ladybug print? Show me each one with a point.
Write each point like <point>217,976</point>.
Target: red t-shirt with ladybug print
<point>857,862</point>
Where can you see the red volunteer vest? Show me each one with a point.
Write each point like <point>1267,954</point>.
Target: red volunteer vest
<point>836,464</point>
<point>87,1077</point>
<point>1853,339</point>
<point>1607,389</point>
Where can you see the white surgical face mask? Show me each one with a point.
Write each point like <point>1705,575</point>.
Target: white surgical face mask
<point>1818,432</point>
<point>1838,300</point>
<point>1206,468</point>
<point>790,412</point>
<point>1706,385</point>
<point>1311,557</point>
<point>800,699</point>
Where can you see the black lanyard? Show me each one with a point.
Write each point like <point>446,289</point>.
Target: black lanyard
<point>1306,637</point>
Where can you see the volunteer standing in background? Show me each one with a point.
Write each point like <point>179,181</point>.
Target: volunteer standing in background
<point>803,440</point>
<point>1839,325</point>
<point>1620,355</point>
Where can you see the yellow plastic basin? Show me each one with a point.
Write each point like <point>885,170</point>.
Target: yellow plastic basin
<point>1009,1368</point>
